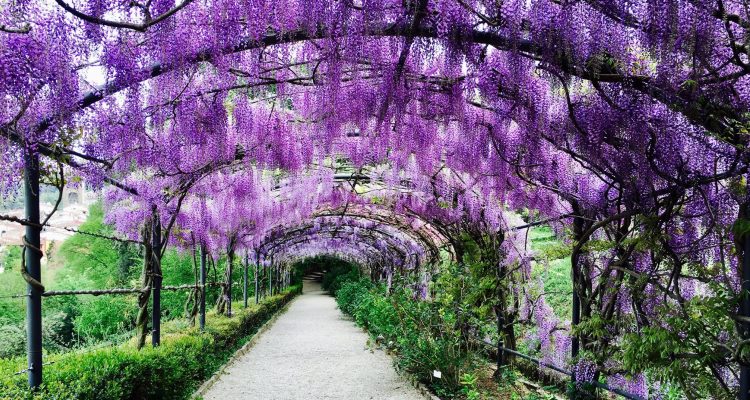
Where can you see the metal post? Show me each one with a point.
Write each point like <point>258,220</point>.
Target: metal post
<point>244,279</point>
<point>257,271</point>
<point>744,393</point>
<point>156,291</point>
<point>32,258</point>
<point>203,289</point>
<point>270,277</point>
<point>230,265</point>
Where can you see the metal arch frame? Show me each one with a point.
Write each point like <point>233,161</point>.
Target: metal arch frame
<point>432,240</point>
<point>156,70</point>
<point>335,226</point>
<point>333,233</point>
<point>394,244</point>
<point>279,256</point>
<point>374,260</point>
<point>365,247</point>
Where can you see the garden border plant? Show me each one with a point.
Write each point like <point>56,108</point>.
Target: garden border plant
<point>422,336</point>
<point>173,370</point>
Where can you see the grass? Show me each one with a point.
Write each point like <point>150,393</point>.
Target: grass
<point>553,266</point>
<point>86,262</point>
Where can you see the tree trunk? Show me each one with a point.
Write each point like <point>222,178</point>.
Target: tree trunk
<point>224,302</point>
<point>147,276</point>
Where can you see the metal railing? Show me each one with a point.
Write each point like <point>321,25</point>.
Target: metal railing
<point>541,363</point>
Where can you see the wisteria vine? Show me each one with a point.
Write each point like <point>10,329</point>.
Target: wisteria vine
<point>387,131</point>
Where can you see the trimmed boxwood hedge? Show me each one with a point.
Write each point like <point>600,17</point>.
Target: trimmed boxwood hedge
<point>185,359</point>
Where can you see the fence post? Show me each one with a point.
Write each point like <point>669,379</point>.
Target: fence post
<point>203,288</point>
<point>32,257</point>
<point>156,290</point>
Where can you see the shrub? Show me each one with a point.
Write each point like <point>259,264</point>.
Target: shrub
<point>12,339</point>
<point>57,331</point>
<point>170,371</point>
<point>339,274</point>
<point>352,294</point>
<point>341,279</point>
<point>418,331</point>
<point>12,310</point>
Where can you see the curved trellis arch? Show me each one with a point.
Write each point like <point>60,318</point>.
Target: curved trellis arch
<point>525,48</point>
<point>656,190</point>
<point>426,235</point>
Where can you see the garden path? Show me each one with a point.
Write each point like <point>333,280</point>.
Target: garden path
<point>312,352</point>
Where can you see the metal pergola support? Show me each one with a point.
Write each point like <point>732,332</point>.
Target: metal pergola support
<point>32,258</point>
<point>257,271</point>
<point>230,265</point>
<point>244,279</point>
<point>744,392</point>
<point>203,288</point>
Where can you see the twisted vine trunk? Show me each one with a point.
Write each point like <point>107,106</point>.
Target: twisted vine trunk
<point>158,278</point>
<point>506,302</point>
<point>582,284</point>
<point>147,276</point>
<point>509,318</point>
<point>194,296</point>
<point>224,302</point>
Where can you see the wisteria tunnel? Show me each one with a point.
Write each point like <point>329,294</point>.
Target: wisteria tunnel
<point>516,199</point>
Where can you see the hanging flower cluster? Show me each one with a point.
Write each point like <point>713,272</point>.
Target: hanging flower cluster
<point>380,130</point>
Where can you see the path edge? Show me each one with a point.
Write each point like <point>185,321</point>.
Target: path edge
<point>405,375</point>
<point>424,390</point>
<point>206,386</point>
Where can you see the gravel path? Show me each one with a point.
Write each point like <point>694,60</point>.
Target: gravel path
<point>312,352</point>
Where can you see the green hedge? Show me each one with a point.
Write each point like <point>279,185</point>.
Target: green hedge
<point>339,272</point>
<point>423,334</point>
<point>173,370</point>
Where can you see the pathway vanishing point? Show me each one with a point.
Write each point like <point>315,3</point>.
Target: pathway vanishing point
<point>312,352</point>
